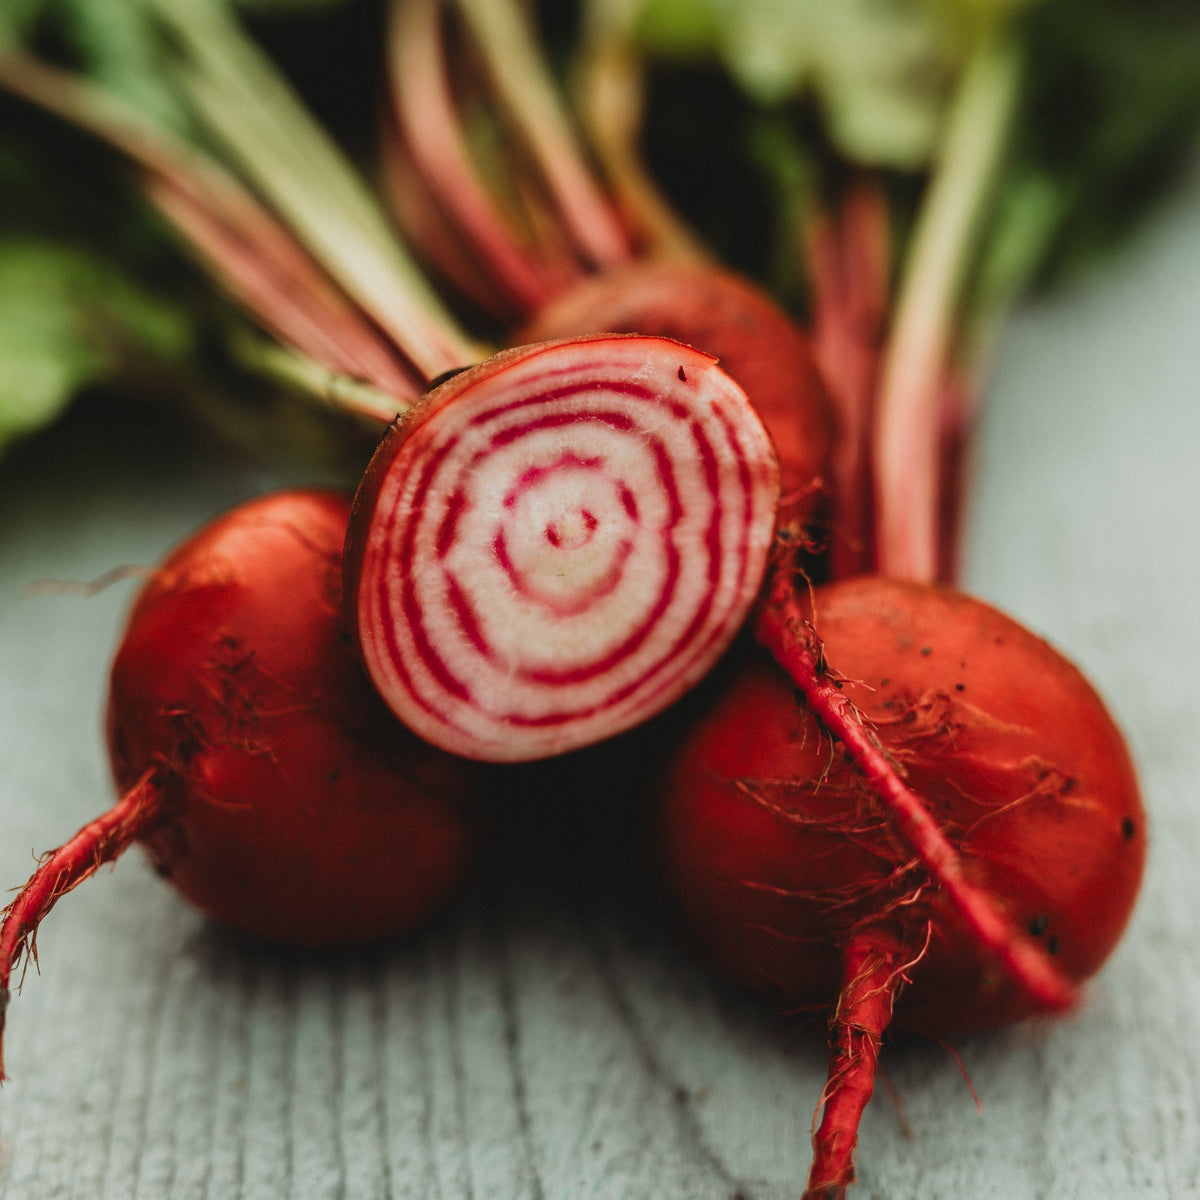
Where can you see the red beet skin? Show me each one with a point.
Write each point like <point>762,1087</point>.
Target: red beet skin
<point>777,852</point>
<point>797,882</point>
<point>255,762</point>
<point>296,807</point>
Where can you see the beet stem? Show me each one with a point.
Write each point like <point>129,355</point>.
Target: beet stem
<point>782,627</point>
<point>612,100</point>
<point>242,98</point>
<point>873,966</point>
<point>847,255</point>
<point>433,135</point>
<point>98,842</point>
<point>526,88</point>
<point>924,327</point>
<point>246,248</point>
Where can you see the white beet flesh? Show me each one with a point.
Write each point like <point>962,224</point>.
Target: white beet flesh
<point>562,542</point>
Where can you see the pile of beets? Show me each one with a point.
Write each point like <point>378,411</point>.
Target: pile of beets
<point>888,799</point>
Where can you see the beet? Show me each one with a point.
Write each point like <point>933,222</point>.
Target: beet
<point>799,880</point>
<point>557,543</point>
<point>255,762</point>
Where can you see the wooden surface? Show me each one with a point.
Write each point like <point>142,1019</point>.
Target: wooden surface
<point>548,1037</point>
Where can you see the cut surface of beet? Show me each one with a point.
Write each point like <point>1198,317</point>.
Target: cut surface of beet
<point>558,543</point>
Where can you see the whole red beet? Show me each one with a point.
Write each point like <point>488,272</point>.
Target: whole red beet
<point>797,880</point>
<point>255,762</point>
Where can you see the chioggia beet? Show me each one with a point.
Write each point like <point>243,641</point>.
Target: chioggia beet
<point>253,759</point>
<point>799,878</point>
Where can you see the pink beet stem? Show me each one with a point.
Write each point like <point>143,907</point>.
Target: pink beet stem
<point>925,336</point>
<point>525,87</point>
<point>249,250</point>
<point>782,628</point>
<point>847,255</point>
<point>99,841</point>
<point>432,131</point>
<point>873,967</point>
<point>264,270</point>
<point>612,99</point>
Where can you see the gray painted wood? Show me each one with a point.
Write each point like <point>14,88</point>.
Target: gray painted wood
<point>548,1037</point>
